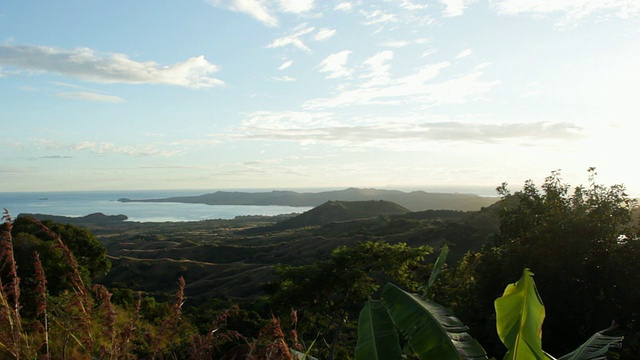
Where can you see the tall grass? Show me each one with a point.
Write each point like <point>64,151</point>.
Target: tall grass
<point>83,323</point>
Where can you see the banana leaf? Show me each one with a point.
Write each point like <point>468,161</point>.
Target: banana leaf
<point>436,269</point>
<point>430,329</point>
<point>596,348</point>
<point>519,317</point>
<point>377,336</point>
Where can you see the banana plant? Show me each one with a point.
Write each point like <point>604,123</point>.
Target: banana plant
<point>519,317</point>
<point>432,332</point>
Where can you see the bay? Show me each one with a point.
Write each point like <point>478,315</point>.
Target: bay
<point>81,203</point>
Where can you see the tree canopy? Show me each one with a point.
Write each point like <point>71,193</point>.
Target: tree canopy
<point>583,249</point>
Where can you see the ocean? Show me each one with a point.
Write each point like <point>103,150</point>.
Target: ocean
<point>81,203</point>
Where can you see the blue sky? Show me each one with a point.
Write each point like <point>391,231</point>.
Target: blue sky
<point>230,94</point>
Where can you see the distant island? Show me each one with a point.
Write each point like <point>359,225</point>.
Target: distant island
<point>413,201</point>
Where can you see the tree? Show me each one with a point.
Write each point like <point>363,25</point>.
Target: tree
<point>583,248</point>
<point>330,293</point>
<point>30,236</point>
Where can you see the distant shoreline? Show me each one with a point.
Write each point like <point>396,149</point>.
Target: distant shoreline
<point>414,200</point>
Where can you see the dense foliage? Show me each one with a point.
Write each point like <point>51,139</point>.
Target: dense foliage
<point>330,293</point>
<point>583,250</point>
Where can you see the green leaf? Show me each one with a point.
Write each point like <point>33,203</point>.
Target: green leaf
<point>519,317</point>
<point>596,348</point>
<point>430,329</point>
<point>436,268</point>
<point>377,337</point>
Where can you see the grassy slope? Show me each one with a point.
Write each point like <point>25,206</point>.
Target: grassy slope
<point>225,259</point>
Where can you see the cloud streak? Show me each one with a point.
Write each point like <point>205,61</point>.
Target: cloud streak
<point>417,88</point>
<point>294,38</point>
<point>90,96</point>
<point>265,11</point>
<point>573,9</point>
<point>312,127</point>
<point>89,65</point>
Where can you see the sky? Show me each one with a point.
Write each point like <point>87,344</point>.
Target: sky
<point>289,94</point>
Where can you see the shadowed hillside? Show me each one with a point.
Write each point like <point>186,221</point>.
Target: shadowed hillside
<point>336,211</point>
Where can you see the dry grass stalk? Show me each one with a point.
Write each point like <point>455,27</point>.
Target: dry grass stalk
<point>11,334</point>
<point>205,347</point>
<point>108,314</point>
<point>41,302</point>
<point>170,325</point>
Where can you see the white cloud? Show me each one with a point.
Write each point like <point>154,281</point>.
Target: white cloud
<point>265,11</point>
<point>294,38</point>
<point>129,150</point>
<point>105,148</point>
<point>411,6</point>
<point>284,78</point>
<point>379,69</point>
<point>88,65</point>
<point>335,65</point>
<point>344,6</point>
<point>285,65</point>
<point>464,53</point>
<point>395,43</point>
<point>312,127</point>
<point>403,43</point>
<point>574,9</point>
<point>90,96</point>
<point>324,34</point>
<point>377,17</point>
<point>456,7</point>
<point>255,8</point>
<point>296,6</point>
<point>416,88</point>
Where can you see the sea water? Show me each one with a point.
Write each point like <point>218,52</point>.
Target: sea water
<point>81,203</point>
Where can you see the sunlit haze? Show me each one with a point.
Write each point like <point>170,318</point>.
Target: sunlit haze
<point>231,94</point>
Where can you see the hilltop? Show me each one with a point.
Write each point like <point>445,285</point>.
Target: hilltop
<point>413,201</point>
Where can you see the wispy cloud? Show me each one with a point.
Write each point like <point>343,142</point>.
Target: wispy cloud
<point>129,150</point>
<point>456,7</point>
<point>378,69</point>
<point>294,38</point>
<point>417,88</point>
<point>335,65</point>
<point>257,9</point>
<point>90,96</point>
<point>403,43</point>
<point>88,65</point>
<point>296,6</point>
<point>56,157</point>
<point>464,53</point>
<point>344,6</point>
<point>324,34</point>
<point>377,17</point>
<point>285,65</point>
<point>284,78</point>
<point>411,6</point>
<point>573,9</point>
<point>265,11</point>
<point>104,148</point>
<point>313,127</point>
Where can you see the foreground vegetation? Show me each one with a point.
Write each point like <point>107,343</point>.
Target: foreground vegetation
<point>234,288</point>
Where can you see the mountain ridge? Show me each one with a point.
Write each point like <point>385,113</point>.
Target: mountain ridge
<point>414,201</point>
